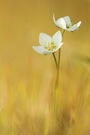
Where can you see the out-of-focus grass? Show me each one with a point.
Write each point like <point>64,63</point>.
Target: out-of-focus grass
<point>27,106</point>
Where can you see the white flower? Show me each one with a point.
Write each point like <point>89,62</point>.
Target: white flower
<point>65,23</point>
<point>48,44</point>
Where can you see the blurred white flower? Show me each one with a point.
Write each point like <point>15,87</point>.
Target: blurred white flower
<point>49,44</point>
<point>65,23</point>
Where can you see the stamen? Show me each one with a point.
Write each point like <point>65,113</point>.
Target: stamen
<point>50,46</point>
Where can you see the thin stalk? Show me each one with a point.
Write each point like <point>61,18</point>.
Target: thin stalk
<point>60,52</point>
<point>58,67</point>
<point>55,60</point>
<point>56,90</point>
<point>59,58</point>
<point>63,32</point>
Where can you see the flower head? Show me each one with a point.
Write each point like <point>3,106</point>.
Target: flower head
<point>66,24</point>
<point>49,44</point>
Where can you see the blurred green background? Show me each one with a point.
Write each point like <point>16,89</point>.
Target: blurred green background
<point>26,78</point>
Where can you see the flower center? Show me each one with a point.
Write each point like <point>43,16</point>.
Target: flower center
<point>50,46</point>
<point>67,26</point>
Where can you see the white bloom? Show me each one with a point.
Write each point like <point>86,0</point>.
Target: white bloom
<point>49,44</point>
<point>65,23</point>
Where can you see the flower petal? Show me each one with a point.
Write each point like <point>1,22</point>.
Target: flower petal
<point>57,38</point>
<point>44,39</point>
<point>60,22</point>
<point>68,21</point>
<point>74,27</point>
<point>54,18</point>
<point>40,49</point>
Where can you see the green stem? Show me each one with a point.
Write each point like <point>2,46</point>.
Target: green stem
<point>58,67</point>
<point>57,74</point>
<point>63,32</point>
<point>56,90</point>
<point>55,60</point>
<point>60,52</point>
<point>59,58</point>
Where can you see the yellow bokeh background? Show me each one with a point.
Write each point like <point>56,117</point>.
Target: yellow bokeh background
<point>27,78</point>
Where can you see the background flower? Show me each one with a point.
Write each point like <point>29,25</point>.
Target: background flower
<point>65,23</point>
